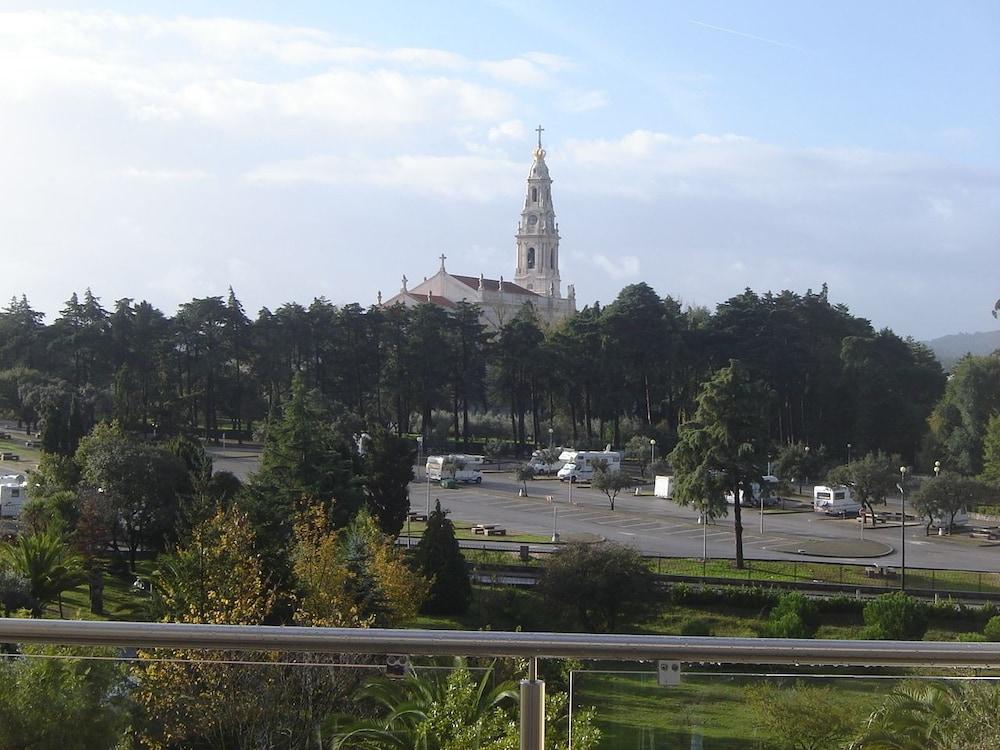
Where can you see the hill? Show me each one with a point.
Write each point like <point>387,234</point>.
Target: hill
<point>949,349</point>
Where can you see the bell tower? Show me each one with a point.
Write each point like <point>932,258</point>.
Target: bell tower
<point>537,236</point>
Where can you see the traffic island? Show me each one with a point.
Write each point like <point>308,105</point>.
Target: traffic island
<point>837,548</point>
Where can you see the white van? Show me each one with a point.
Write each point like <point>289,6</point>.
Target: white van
<point>541,466</point>
<point>664,487</point>
<point>579,466</point>
<point>469,469</point>
<point>835,501</point>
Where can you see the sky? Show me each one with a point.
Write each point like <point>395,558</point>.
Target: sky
<point>165,151</point>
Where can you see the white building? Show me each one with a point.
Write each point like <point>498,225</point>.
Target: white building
<point>13,494</point>
<point>536,271</point>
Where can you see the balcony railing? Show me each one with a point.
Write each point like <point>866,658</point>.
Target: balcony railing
<point>670,652</point>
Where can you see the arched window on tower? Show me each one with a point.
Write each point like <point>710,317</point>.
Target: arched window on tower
<point>531,257</point>
<point>534,195</point>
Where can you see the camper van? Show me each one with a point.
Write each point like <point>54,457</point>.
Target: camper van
<point>764,492</point>
<point>469,469</point>
<point>579,465</point>
<point>13,494</point>
<point>664,487</point>
<point>541,466</point>
<point>835,501</point>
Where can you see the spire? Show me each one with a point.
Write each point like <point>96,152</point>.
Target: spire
<point>537,238</point>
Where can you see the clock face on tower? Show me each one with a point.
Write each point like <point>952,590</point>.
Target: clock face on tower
<point>532,220</point>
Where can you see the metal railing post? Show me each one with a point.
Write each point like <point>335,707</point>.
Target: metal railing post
<point>532,709</point>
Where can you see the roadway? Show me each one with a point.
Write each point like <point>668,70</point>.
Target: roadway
<point>661,527</point>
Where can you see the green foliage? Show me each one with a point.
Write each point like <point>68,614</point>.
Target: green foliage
<point>895,617</point>
<point>388,471</point>
<point>439,559</point>
<point>992,628</point>
<point>611,483</point>
<point>47,563</point>
<point>803,717</point>
<point>497,448</point>
<point>724,446</point>
<point>52,700</point>
<point>944,496</point>
<point>638,449</point>
<point>696,626</point>
<point>524,473</point>
<point>959,421</point>
<point>15,591</point>
<point>795,616</point>
<point>599,587</point>
<point>871,479</point>
<point>991,451</point>
<point>800,462</point>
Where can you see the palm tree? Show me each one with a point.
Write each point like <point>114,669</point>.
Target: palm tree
<point>921,717</point>
<point>412,706</point>
<point>46,562</point>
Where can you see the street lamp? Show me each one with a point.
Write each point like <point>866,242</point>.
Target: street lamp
<point>555,517</point>
<point>902,525</point>
<point>937,469</point>
<point>652,451</point>
<point>848,453</point>
<point>420,448</point>
<point>551,431</point>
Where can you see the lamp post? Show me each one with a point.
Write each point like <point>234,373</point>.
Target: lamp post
<point>806,467</point>
<point>555,518</point>
<point>937,469</point>
<point>420,449</point>
<point>902,526</point>
<point>652,451</point>
<point>551,431</point>
<point>848,453</point>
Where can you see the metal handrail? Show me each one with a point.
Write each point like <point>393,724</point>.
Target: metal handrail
<point>491,644</point>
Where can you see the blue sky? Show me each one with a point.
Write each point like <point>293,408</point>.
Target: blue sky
<point>293,150</point>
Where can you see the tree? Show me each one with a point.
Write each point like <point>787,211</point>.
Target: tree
<point>991,451</point>
<point>600,586</point>
<point>47,563</point>
<point>800,462</point>
<point>439,559</point>
<point>895,617</point>
<point>15,591</point>
<point>388,472</point>
<point>524,473</point>
<point>871,479</point>
<point>51,699</point>
<point>943,497</point>
<point>795,616</point>
<point>724,445</point>
<point>802,717</point>
<point>638,449</point>
<point>959,421</point>
<point>611,482</point>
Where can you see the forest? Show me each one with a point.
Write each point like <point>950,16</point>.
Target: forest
<point>632,366</point>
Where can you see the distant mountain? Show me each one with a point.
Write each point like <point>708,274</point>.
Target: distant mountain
<point>949,349</point>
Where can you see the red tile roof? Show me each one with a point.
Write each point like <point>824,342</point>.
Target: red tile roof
<point>493,284</point>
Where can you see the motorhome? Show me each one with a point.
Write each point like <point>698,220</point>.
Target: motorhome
<point>579,466</point>
<point>468,469</point>
<point>541,466</point>
<point>763,493</point>
<point>834,501</point>
<point>13,494</point>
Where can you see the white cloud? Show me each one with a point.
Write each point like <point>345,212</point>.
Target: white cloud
<point>619,268</point>
<point>583,101</point>
<point>463,178</point>
<point>508,130</point>
<point>166,175</point>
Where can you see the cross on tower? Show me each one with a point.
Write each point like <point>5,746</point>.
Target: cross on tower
<point>539,130</point>
<point>443,258</point>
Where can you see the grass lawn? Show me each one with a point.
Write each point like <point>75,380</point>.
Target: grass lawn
<point>29,457</point>
<point>121,601</point>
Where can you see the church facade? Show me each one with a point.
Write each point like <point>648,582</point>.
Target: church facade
<point>536,279</point>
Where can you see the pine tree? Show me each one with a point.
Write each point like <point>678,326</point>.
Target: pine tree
<point>388,473</point>
<point>440,560</point>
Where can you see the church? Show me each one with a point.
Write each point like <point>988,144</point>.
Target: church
<point>536,274</point>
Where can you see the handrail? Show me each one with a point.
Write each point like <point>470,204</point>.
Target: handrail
<point>490,644</point>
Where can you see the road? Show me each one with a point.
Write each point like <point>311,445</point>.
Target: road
<point>661,527</point>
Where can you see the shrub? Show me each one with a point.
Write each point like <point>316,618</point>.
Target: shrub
<point>972,637</point>
<point>895,616</point>
<point>992,630</point>
<point>795,616</point>
<point>696,626</point>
